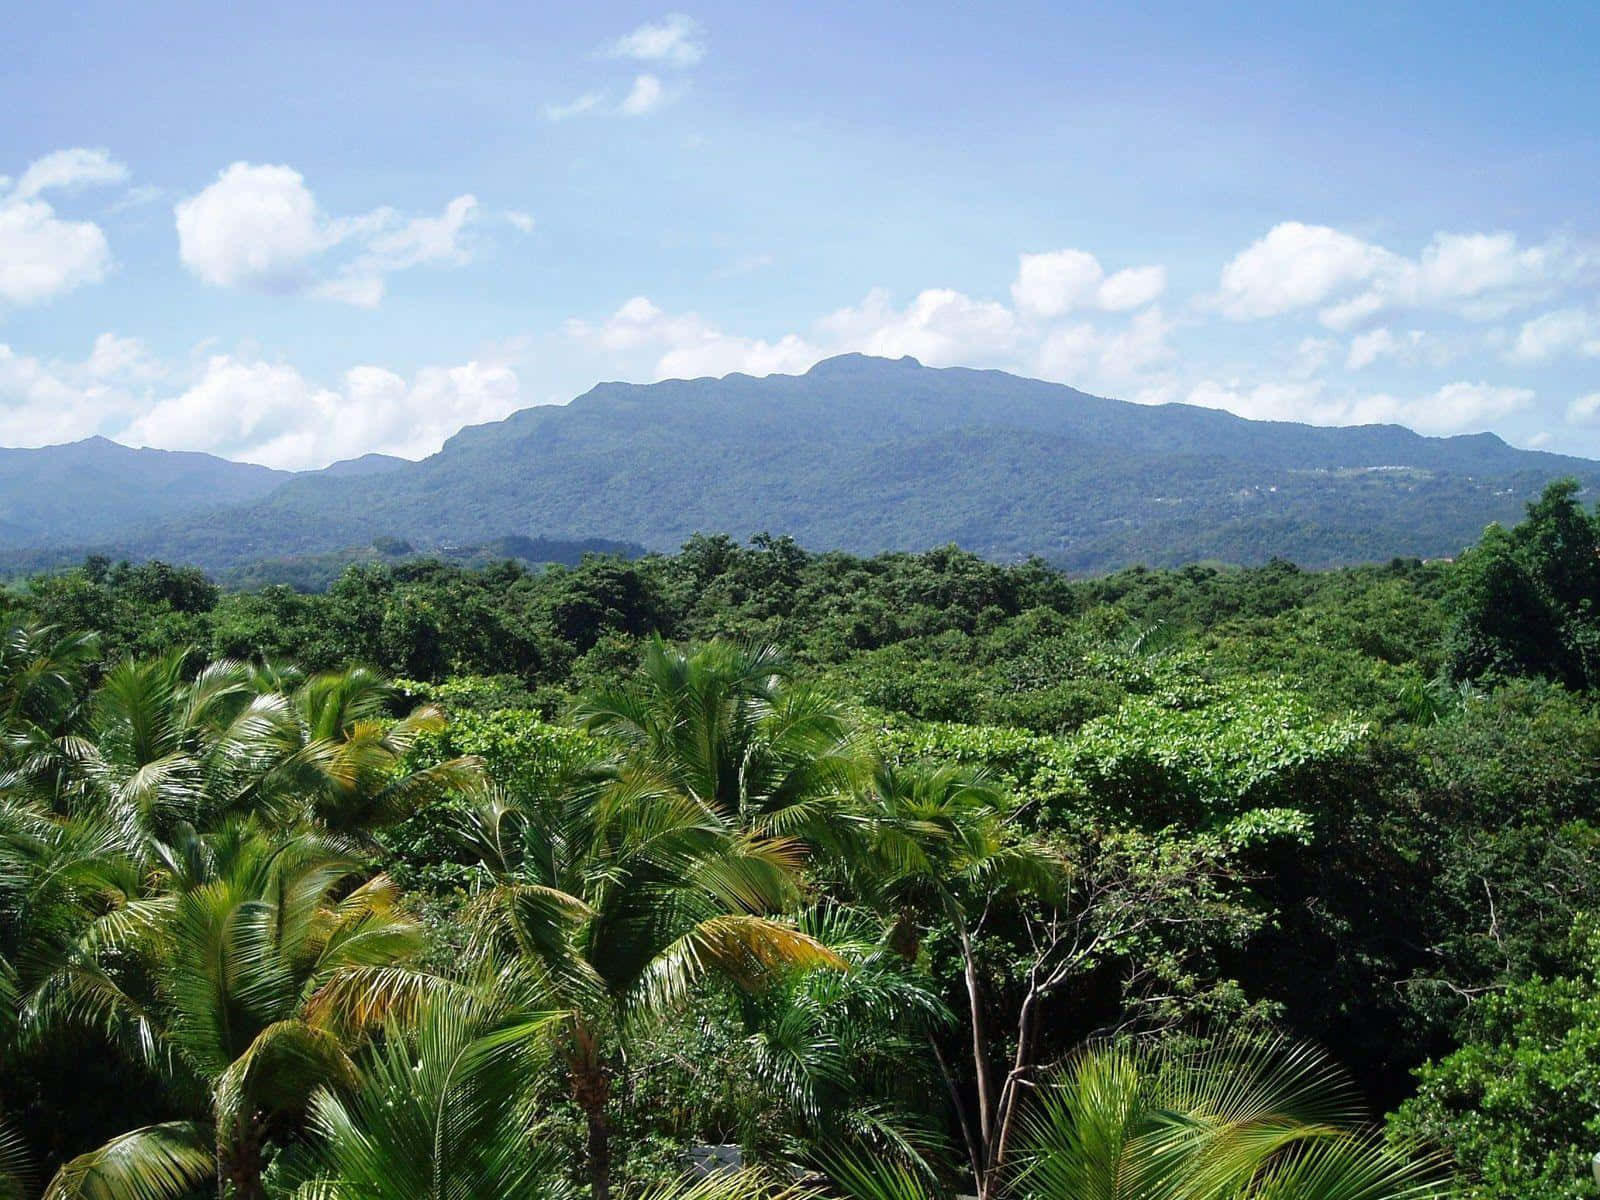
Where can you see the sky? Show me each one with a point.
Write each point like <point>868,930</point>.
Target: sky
<point>297,233</point>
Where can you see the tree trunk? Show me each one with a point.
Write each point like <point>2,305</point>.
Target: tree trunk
<point>239,1163</point>
<point>591,1088</point>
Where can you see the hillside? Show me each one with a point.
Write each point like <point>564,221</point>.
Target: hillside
<point>83,491</point>
<point>866,454</point>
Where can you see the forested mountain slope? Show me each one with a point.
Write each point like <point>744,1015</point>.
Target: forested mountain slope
<point>867,454</point>
<point>83,491</point>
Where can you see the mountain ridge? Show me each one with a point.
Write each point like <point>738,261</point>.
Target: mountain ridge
<point>868,454</point>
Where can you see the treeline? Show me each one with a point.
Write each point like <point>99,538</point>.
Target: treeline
<point>1029,814</point>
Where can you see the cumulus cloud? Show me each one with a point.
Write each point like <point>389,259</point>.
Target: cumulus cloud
<point>1295,266</point>
<point>43,402</point>
<point>1474,275</point>
<point>672,44</point>
<point>43,255</point>
<point>940,327</point>
<point>1455,408</point>
<point>1565,331</point>
<point>1412,346</point>
<point>244,408</point>
<point>688,347</point>
<point>1087,355</point>
<point>69,170</point>
<point>259,227</point>
<point>269,413</point>
<point>673,41</point>
<point>1061,281</point>
<point>1584,409</point>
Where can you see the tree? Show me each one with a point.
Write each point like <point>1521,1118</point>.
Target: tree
<point>341,760</point>
<point>245,986</point>
<point>442,1106</point>
<point>1234,1121</point>
<point>623,895</point>
<point>725,726</point>
<point>1518,1104</point>
<point>1527,601</point>
<point>935,845</point>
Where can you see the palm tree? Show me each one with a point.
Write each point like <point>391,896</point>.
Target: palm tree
<point>42,676</point>
<point>936,844</point>
<point>16,1171</point>
<point>163,753</point>
<point>442,1108</point>
<point>726,725</point>
<point>621,896</point>
<point>846,1051</point>
<point>246,981</point>
<point>1234,1121</point>
<point>343,758</point>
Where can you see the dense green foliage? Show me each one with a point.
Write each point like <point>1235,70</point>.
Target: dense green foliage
<point>955,891</point>
<point>867,455</point>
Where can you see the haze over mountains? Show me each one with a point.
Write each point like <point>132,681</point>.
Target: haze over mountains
<point>860,454</point>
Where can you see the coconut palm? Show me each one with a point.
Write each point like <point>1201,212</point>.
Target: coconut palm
<point>163,752</point>
<point>42,674</point>
<point>847,1051</point>
<point>726,725</point>
<point>342,762</point>
<point>16,1170</point>
<point>622,896</point>
<point>442,1107</point>
<point>1234,1121</point>
<point>246,982</point>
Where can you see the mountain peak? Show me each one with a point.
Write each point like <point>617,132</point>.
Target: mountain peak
<point>842,364</point>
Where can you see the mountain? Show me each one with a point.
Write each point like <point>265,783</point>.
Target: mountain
<point>367,464</point>
<point>868,454</point>
<point>82,491</point>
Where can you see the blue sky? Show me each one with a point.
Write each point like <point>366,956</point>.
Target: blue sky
<point>296,233</point>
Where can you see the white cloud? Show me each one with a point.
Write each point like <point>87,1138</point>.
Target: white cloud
<point>1090,356</point>
<point>1132,288</point>
<point>1295,401</point>
<point>645,96</point>
<point>1295,266</point>
<point>244,408</point>
<point>1474,275</point>
<point>1061,281</point>
<point>940,327</point>
<point>520,221</point>
<point>69,170</point>
<point>1310,356</point>
<point>122,358</point>
<point>256,226</point>
<point>259,227</point>
<point>1565,331</point>
<point>41,254</point>
<point>1454,408</point>
<point>46,402</point>
<point>1584,409</point>
<point>688,347</point>
<point>1412,346</point>
<point>588,102</point>
<point>271,414</point>
<point>674,41</point>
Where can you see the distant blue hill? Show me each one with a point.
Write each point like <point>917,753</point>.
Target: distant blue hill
<point>867,454</point>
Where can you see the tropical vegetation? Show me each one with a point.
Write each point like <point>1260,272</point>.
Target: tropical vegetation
<point>887,878</point>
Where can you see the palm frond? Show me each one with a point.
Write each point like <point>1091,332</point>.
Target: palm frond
<point>157,1162</point>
